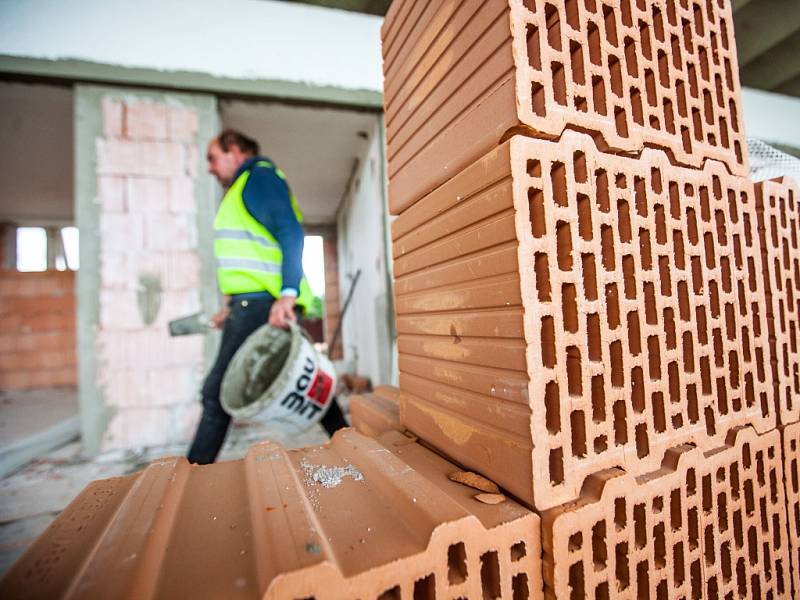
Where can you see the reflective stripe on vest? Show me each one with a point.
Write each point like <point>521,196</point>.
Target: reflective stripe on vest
<point>249,257</point>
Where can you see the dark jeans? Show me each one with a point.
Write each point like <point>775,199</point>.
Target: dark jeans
<point>245,317</point>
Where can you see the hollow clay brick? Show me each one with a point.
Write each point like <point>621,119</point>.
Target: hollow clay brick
<point>561,311</point>
<point>394,527</point>
<point>790,435</point>
<point>779,229</point>
<point>460,75</point>
<point>377,412</point>
<point>705,525</point>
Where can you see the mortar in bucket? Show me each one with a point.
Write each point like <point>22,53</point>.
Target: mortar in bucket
<point>280,377</point>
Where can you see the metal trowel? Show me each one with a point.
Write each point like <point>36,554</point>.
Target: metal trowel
<point>190,325</point>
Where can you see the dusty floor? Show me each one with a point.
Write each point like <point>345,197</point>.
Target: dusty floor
<point>31,498</point>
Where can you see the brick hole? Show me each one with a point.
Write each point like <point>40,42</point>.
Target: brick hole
<point>737,251</point>
<point>734,380</point>
<point>607,247</point>
<point>601,190</point>
<point>620,514</point>
<point>707,494</point>
<point>711,257</point>
<point>650,88</point>
<point>631,61</point>
<point>691,226</point>
<point>553,21</point>
<point>698,21</point>
<point>741,578</point>
<point>688,351</point>
<point>773,486</point>
<point>664,276</point>
<point>573,15</point>
<point>391,594</point>
<point>625,6</point>
<point>537,99</point>
<point>760,473</point>
<point>708,108</point>
<point>576,62</point>
<point>722,511</point>
<point>556,466</point>
<point>659,546</point>
<point>456,563</point>
<point>642,441</point>
<point>610,25</point>
<point>620,423</point>
<point>624,221</point>
<point>574,378</point>
<point>519,587</point>
<point>615,74</point>
<point>558,179</point>
<point>654,358</point>
<point>696,580</point>
<point>621,121</point>
<point>590,6</point>
<point>599,546</point>
<point>600,444</point>
<point>536,209</point>
<point>672,18</point>
<point>678,249</point>
<point>650,309</point>
<point>622,572</point>
<point>702,58</point>
<point>752,547</point>
<point>673,377</point>
<point>720,89</point>
<point>599,95</point>
<point>636,106</point>
<point>644,249</point>
<point>692,408</point>
<point>722,232</point>
<point>581,104</point>
<point>712,588</point>
<point>542,271</point>
<point>697,124</point>
<point>733,206</point>
<point>637,390</point>
<point>688,43</point>
<point>654,123</point>
<point>425,588</point>
<point>669,329</point>
<point>691,482</point>
<point>669,116</point>
<point>548,336</point>
<point>569,307</point>
<point>737,147</point>
<point>593,337</point>
<point>601,591</point>
<point>552,408</point>
<point>663,69</point>
<point>593,38</point>
<point>693,532</point>
<point>534,49</point>
<point>659,412</point>
<point>598,399</point>
<point>644,35</point>
<point>662,590</point>
<point>576,581</point>
<point>691,76</point>
<point>719,354</point>
<point>575,542</point>
<point>697,277</point>
<point>727,561</point>
<point>678,573</point>
<point>530,5</point>
<point>723,29</point>
<point>518,551</point>
<point>612,306</point>
<point>674,200</point>
<point>564,245</point>
<point>729,75</point>
<point>755,584</point>
<point>578,427</point>
<point>680,94</point>
<point>589,276</point>
<point>534,168</point>
<point>559,83</point>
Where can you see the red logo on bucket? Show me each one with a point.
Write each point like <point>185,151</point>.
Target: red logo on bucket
<point>319,391</point>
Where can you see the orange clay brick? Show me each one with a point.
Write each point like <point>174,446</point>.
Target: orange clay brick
<point>377,412</point>
<point>705,525</point>
<point>779,227</point>
<point>459,76</point>
<point>790,435</point>
<point>391,526</point>
<point>562,311</point>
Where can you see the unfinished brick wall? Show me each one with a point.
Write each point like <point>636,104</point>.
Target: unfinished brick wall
<point>331,259</point>
<point>460,76</point>
<point>37,330</point>
<point>790,436</point>
<point>147,162</point>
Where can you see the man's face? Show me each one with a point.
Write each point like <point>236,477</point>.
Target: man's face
<point>223,165</point>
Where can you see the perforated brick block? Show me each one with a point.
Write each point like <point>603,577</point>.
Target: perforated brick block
<point>705,525</point>
<point>286,524</point>
<point>562,311</point>
<point>459,76</point>
<point>790,434</point>
<point>779,228</point>
<point>377,412</point>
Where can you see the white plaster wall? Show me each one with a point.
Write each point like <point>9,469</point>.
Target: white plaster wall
<point>242,39</point>
<point>365,331</point>
<point>773,118</point>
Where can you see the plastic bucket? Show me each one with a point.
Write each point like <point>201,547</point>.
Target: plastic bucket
<point>278,376</point>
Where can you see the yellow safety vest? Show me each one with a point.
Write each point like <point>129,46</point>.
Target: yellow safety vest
<point>249,257</point>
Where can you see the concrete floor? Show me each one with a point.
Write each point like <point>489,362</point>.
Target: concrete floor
<point>32,497</point>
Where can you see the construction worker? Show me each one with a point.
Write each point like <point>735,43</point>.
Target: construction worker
<point>258,244</point>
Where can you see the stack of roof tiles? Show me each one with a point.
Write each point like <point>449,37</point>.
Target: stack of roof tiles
<point>596,308</point>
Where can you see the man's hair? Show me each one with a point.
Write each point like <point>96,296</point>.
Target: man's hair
<point>231,137</point>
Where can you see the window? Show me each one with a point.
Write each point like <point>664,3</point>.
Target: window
<point>40,248</point>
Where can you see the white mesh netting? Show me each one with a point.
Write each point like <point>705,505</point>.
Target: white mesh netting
<point>767,162</point>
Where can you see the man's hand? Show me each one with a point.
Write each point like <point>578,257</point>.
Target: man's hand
<point>218,320</point>
<point>282,312</point>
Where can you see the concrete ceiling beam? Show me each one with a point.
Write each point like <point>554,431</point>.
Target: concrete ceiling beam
<point>762,25</point>
<point>774,67</point>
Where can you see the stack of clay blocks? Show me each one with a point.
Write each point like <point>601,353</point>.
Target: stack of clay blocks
<point>588,283</point>
<point>355,518</point>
